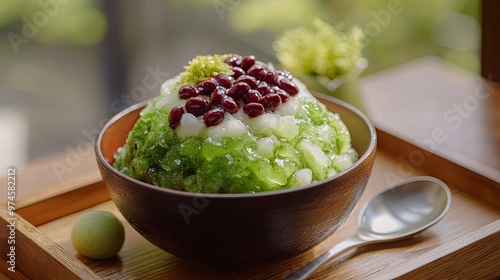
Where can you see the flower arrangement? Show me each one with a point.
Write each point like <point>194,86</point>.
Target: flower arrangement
<point>330,54</point>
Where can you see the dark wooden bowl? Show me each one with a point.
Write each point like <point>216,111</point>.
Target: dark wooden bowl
<point>244,229</point>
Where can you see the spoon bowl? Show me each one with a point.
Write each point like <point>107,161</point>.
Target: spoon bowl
<point>405,209</point>
<point>398,212</point>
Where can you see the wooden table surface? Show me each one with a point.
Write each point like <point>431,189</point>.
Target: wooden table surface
<point>424,102</point>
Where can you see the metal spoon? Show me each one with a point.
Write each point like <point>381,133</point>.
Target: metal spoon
<point>396,213</point>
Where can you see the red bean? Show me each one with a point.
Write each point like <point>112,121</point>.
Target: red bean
<point>229,105</point>
<point>247,62</point>
<point>234,60</point>
<point>186,92</point>
<point>263,88</point>
<point>271,78</point>
<point>196,106</point>
<point>284,96</point>
<point>207,86</point>
<point>288,86</point>
<point>175,116</point>
<point>251,81</point>
<point>254,109</point>
<point>216,96</point>
<point>282,93</point>
<point>213,117</point>
<point>238,72</point>
<point>252,96</point>
<point>271,101</point>
<point>257,71</point>
<point>224,80</point>
<point>238,90</point>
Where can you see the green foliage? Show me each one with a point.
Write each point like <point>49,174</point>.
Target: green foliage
<point>274,15</point>
<point>69,22</point>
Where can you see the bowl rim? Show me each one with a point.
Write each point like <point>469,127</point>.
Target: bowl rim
<point>115,118</point>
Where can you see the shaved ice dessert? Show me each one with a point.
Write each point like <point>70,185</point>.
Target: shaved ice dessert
<point>233,124</point>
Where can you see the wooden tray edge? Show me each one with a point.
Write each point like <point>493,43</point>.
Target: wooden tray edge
<point>29,241</point>
<point>479,247</point>
<point>69,198</point>
<point>411,157</point>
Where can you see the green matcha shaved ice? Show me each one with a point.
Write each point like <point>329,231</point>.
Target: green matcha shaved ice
<point>299,143</point>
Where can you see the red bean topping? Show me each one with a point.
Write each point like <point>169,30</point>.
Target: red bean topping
<point>271,78</point>
<point>213,117</point>
<point>224,80</point>
<point>238,90</point>
<point>263,88</point>
<point>196,106</point>
<point>252,96</point>
<point>175,116</point>
<point>216,96</point>
<point>271,101</point>
<point>247,62</point>
<point>234,60</point>
<point>257,71</point>
<point>229,105</point>
<point>259,87</point>
<point>237,72</point>
<point>206,87</point>
<point>275,89</point>
<point>288,86</point>
<point>251,81</point>
<point>253,109</point>
<point>284,96</point>
<point>186,92</point>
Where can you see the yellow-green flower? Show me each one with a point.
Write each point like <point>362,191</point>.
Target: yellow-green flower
<point>320,49</point>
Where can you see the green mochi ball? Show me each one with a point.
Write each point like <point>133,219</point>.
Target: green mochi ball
<point>97,235</point>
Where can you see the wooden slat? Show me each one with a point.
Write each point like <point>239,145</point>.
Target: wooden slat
<point>44,210</point>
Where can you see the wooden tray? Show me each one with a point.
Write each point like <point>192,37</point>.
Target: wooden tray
<point>465,244</point>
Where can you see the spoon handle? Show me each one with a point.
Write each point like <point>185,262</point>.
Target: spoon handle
<point>343,246</point>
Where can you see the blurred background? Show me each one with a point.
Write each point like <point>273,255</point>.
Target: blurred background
<point>67,66</point>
